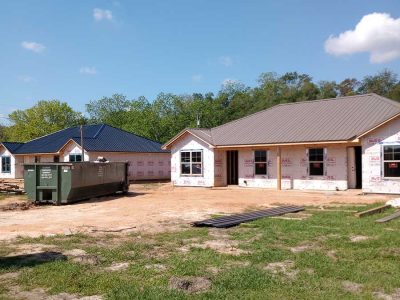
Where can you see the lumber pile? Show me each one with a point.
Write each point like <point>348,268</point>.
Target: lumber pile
<point>15,186</point>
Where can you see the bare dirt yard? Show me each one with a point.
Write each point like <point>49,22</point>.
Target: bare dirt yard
<point>141,246</point>
<point>153,208</point>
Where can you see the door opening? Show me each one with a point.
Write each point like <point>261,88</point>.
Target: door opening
<point>354,167</point>
<point>358,160</point>
<point>232,167</point>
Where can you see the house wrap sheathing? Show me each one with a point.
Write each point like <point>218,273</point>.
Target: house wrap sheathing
<point>147,161</point>
<point>332,144</point>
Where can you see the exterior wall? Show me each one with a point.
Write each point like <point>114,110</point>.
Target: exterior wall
<point>72,148</point>
<point>44,158</point>
<point>14,165</point>
<point>372,170</point>
<point>142,166</point>
<point>294,166</point>
<point>190,142</point>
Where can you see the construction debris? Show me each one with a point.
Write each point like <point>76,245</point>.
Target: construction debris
<point>17,206</point>
<point>389,217</point>
<point>14,186</point>
<point>394,202</point>
<point>372,211</point>
<point>229,221</point>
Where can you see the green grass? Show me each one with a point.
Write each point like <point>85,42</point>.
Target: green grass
<point>374,263</point>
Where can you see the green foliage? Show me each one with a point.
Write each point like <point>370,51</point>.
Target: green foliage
<point>168,114</point>
<point>111,110</point>
<point>3,133</point>
<point>41,119</point>
<point>384,83</point>
<point>348,87</point>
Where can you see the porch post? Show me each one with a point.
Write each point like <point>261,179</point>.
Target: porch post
<point>278,169</point>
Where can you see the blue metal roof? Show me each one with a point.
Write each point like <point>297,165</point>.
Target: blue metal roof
<point>11,146</point>
<point>97,138</point>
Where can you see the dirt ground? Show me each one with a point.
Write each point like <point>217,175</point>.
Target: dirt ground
<point>157,208</point>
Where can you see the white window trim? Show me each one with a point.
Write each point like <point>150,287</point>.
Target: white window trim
<point>5,172</point>
<point>325,151</point>
<point>266,163</point>
<point>180,163</point>
<point>383,161</point>
<point>75,154</point>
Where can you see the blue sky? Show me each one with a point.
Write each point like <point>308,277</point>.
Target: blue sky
<point>70,51</point>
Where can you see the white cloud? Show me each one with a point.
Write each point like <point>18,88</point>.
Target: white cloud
<point>376,33</point>
<point>197,78</point>
<point>25,78</point>
<point>226,61</point>
<point>102,14</point>
<point>88,70</point>
<point>33,46</point>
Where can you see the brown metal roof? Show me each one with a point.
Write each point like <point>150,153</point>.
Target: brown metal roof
<point>336,119</point>
<point>202,133</point>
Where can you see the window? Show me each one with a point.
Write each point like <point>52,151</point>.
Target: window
<point>56,158</point>
<point>75,157</point>
<point>316,161</point>
<point>5,164</point>
<point>37,159</point>
<point>192,163</point>
<point>391,161</point>
<point>260,162</point>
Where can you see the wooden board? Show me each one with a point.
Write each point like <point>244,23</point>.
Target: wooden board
<point>389,217</point>
<point>372,211</point>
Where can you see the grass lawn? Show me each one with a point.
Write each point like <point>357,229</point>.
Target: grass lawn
<point>329,255</point>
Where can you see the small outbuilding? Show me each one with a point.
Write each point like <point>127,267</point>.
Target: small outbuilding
<point>147,161</point>
<point>331,144</point>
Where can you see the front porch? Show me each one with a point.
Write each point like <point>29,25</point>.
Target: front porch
<point>335,167</point>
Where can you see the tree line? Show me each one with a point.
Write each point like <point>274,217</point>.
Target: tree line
<point>169,113</point>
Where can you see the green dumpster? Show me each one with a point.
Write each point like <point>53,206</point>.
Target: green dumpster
<point>62,183</point>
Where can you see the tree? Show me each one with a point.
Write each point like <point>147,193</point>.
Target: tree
<point>110,110</point>
<point>348,87</point>
<point>3,133</point>
<point>395,92</point>
<point>327,89</point>
<point>382,83</point>
<point>43,118</point>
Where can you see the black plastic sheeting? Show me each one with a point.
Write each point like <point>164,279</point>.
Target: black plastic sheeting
<point>233,220</point>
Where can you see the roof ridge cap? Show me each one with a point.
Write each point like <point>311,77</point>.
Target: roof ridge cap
<point>389,101</point>
<point>126,131</point>
<point>49,134</point>
<point>294,103</point>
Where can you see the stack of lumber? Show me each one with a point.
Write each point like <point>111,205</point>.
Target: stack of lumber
<point>15,186</point>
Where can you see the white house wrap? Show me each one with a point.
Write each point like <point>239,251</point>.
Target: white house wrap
<point>147,161</point>
<point>333,144</point>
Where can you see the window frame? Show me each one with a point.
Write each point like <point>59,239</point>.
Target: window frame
<point>74,155</point>
<point>191,163</point>
<point>5,164</point>
<point>261,162</point>
<point>316,161</point>
<point>388,160</point>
